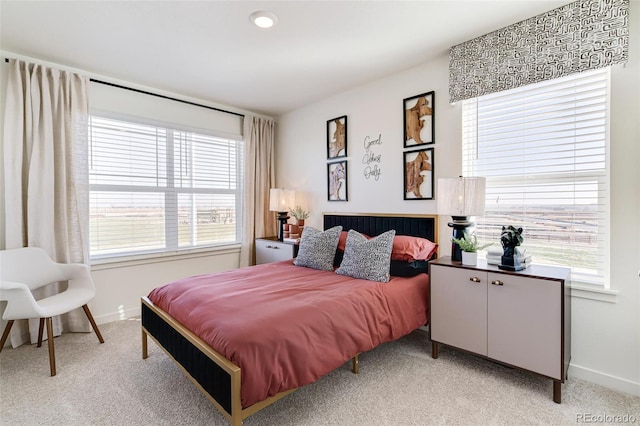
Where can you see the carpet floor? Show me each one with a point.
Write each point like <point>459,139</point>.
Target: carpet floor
<point>398,384</point>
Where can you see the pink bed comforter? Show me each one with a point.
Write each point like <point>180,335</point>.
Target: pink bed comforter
<point>286,326</point>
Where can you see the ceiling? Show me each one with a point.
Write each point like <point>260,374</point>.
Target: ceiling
<point>209,49</point>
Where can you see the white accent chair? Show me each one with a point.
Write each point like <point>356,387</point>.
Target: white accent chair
<point>29,268</point>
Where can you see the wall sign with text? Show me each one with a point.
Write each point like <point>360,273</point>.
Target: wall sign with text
<point>372,159</point>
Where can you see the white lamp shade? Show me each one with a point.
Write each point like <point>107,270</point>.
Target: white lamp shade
<point>461,196</point>
<point>281,200</point>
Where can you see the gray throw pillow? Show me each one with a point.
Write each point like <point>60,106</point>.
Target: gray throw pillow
<point>367,259</point>
<point>318,248</point>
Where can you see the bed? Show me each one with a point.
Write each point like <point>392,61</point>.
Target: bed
<point>244,374</point>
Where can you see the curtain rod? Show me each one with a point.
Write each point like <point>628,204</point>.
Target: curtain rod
<point>159,95</point>
<point>165,97</point>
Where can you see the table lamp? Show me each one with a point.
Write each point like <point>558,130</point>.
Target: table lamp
<point>280,200</point>
<point>461,197</point>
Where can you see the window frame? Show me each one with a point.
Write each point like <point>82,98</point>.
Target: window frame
<point>172,247</point>
<point>584,282</point>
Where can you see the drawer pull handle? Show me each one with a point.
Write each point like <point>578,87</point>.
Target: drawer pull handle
<point>273,247</point>
<point>474,279</point>
<point>497,282</point>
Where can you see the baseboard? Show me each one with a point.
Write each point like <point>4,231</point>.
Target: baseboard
<point>117,316</point>
<point>606,380</point>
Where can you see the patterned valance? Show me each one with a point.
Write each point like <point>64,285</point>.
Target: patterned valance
<point>579,36</point>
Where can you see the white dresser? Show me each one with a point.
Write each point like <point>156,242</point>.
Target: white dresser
<point>522,318</point>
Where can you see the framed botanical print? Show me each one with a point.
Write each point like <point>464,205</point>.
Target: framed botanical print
<point>419,119</point>
<point>337,181</point>
<point>418,174</point>
<point>337,137</point>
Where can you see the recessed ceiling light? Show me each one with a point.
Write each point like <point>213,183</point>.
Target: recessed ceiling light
<point>263,19</point>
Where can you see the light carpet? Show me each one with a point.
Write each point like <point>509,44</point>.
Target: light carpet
<point>398,384</point>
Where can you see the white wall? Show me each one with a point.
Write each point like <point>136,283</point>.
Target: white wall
<point>606,336</point>
<point>120,286</point>
<point>373,110</point>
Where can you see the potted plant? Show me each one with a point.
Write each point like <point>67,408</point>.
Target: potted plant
<point>300,214</point>
<point>469,246</point>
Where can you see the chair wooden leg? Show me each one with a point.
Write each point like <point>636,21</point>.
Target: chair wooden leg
<point>7,329</point>
<point>52,354</point>
<point>93,323</point>
<point>40,332</point>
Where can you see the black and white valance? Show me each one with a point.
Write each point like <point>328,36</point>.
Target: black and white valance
<point>583,35</point>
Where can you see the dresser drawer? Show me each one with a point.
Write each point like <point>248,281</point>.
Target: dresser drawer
<point>268,250</point>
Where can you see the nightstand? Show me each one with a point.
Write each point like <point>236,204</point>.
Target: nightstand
<point>269,250</point>
<point>522,319</point>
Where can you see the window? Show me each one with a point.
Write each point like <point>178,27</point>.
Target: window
<point>155,188</point>
<point>543,149</point>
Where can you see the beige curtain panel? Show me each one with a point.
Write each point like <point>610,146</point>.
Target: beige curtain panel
<point>258,221</point>
<point>46,174</point>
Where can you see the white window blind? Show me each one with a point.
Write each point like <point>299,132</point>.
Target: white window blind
<point>154,188</point>
<point>543,149</point>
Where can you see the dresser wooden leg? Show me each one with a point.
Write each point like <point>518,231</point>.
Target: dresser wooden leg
<point>434,350</point>
<point>557,391</point>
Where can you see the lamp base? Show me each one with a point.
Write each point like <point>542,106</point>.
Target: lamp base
<point>459,225</point>
<point>282,217</point>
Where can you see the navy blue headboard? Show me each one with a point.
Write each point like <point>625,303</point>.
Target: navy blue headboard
<point>375,224</point>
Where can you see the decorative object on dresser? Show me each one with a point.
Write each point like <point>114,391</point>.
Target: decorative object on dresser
<point>418,174</point>
<point>461,197</point>
<point>299,214</point>
<point>337,137</point>
<point>419,113</point>
<point>294,230</point>
<point>469,245</point>
<point>521,319</point>
<point>512,259</point>
<point>281,200</point>
<point>494,256</point>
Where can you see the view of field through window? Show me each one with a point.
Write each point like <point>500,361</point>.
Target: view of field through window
<point>553,236</point>
<point>160,189</point>
<point>542,150</point>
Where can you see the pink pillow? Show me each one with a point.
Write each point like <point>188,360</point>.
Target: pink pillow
<point>342,242</point>
<point>412,248</point>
